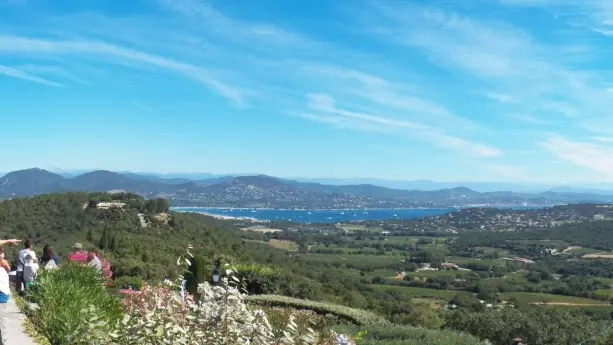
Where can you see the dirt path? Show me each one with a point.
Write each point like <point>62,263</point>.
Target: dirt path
<point>570,248</point>
<point>571,304</point>
<point>400,276</point>
<point>143,222</point>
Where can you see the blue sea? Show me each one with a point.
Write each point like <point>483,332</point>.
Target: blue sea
<point>320,216</point>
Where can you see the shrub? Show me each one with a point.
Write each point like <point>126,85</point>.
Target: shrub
<point>72,300</point>
<point>125,282</point>
<point>220,316</point>
<point>406,335</point>
<point>196,275</point>
<point>360,317</point>
<point>259,279</point>
<point>541,326</point>
<point>81,257</point>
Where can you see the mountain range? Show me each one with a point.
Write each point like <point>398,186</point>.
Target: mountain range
<point>423,184</point>
<point>267,191</point>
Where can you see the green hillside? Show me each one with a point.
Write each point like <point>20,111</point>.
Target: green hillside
<point>142,240</point>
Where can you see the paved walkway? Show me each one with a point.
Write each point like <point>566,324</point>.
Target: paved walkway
<point>11,325</point>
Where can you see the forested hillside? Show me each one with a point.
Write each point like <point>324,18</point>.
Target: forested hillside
<point>63,219</point>
<point>350,268</point>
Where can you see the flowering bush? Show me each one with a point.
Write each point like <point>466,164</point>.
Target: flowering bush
<point>73,305</point>
<point>220,317</point>
<point>81,257</point>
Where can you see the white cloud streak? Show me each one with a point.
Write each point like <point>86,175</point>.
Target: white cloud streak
<point>327,105</point>
<point>593,156</point>
<point>15,73</point>
<point>16,45</point>
<point>53,70</point>
<point>209,17</point>
<point>143,107</point>
<point>527,119</point>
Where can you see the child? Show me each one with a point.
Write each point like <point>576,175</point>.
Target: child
<point>30,269</point>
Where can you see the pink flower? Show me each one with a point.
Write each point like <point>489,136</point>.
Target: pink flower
<point>81,257</point>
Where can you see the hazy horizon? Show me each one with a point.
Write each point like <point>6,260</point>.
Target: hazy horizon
<point>422,184</point>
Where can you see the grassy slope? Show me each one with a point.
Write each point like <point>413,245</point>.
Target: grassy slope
<point>530,297</point>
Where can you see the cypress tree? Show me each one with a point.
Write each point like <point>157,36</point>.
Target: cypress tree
<point>197,274</point>
<point>113,244</point>
<point>104,240</point>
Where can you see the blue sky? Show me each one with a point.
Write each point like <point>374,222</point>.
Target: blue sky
<point>454,90</point>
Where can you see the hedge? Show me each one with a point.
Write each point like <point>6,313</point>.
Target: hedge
<point>357,316</point>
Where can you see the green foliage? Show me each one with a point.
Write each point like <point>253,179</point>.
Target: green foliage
<point>466,300</point>
<point>197,274</point>
<point>542,326</point>
<point>405,335</point>
<point>360,317</point>
<point>156,206</point>
<point>105,240</point>
<point>68,298</point>
<point>259,279</point>
<point>125,282</point>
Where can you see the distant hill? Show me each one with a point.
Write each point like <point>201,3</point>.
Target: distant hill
<point>266,191</point>
<point>102,181</point>
<point>29,182</point>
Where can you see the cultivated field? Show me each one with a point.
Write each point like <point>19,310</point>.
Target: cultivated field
<point>415,292</point>
<point>284,245</point>
<point>541,298</point>
<point>261,228</point>
<point>439,273</point>
<point>601,255</point>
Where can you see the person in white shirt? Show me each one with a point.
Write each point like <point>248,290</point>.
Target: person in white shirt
<point>5,289</point>
<point>20,263</point>
<point>30,269</point>
<point>94,260</point>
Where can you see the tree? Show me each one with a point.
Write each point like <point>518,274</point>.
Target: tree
<point>113,244</point>
<point>105,240</point>
<point>378,280</point>
<point>423,315</point>
<point>89,237</point>
<point>542,326</point>
<point>466,300</point>
<point>197,274</point>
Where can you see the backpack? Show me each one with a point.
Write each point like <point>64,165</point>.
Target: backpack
<point>50,265</point>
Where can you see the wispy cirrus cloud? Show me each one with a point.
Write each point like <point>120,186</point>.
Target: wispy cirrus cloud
<point>531,76</point>
<point>527,119</point>
<point>502,98</point>
<point>594,156</point>
<point>326,106</point>
<point>595,15</point>
<point>57,71</point>
<point>114,53</point>
<point>15,73</point>
<point>143,107</point>
<point>205,15</point>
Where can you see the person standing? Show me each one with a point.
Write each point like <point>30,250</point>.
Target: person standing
<point>20,262</point>
<point>94,260</point>
<point>30,269</point>
<point>49,260</point>
<point>5,288</point>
